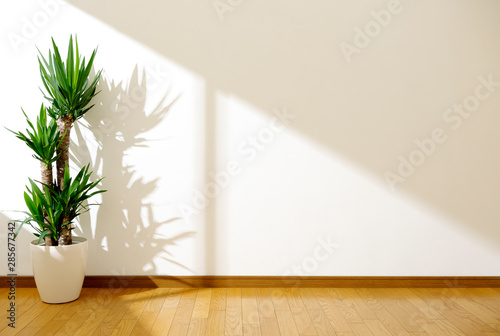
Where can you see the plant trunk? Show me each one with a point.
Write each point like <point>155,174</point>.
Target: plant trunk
<point>64,127</point>
<point>46,175</point>
<point>49,241</point>
<point>47,179</point>
<point>65,236</point>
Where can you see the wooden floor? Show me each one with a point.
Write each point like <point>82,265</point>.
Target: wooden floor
<point>258,311</point>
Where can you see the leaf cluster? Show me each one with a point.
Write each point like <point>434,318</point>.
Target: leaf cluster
<point>67,83</point>
<point>49,212</point>
<point>43,139</point>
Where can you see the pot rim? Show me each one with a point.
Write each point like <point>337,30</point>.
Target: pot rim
<point>76,241</point>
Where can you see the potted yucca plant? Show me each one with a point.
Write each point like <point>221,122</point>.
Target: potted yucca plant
<point>59,259</point>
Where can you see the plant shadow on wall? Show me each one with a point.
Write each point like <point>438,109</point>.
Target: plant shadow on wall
<point>126,224</point>
<point>367,111</point>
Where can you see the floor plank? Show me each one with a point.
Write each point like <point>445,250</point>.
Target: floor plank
<point>172,298</point>
<point>269,327</point>
<point>124,328</point>
<point>250,313</point>
<point>286,323</point>
<point>216,323</point>
<point>321,323</point>
<point>331,311</point>
<point>92,322</point>
<point>251,330</point>
<point>303,321</point>
<point>265,304</point>
<point>163,322</point>
<point>197,327</point>
<point>234,323</point>
<point>218,299</point>
<point>233,297</point>
<point>279,298</point>
<point>202,304</point>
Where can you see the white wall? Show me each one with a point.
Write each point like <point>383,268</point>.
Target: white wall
<point>190,91</point>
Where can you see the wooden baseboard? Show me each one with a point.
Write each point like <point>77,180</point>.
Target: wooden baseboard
<point>270,282</point>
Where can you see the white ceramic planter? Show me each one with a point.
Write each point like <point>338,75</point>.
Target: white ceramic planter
<point>59,270</point>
